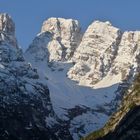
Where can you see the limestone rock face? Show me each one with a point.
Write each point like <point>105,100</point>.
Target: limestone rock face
<point>127,59</point>
<point>7,30</point>
<point>95,54</point>
<point>64,37</point>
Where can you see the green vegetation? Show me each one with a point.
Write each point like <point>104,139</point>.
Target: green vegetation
<point>96,134</point>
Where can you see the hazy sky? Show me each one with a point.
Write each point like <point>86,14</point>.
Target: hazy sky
<point>28,15</point>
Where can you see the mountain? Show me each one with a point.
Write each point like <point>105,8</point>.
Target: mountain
<point>125,123</point>
<point>95,54</point>
<point>87,80</point>
<point>68,83</point>
<point>26,110</point>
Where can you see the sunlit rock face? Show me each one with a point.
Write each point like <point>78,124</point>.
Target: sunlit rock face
<point>95,54</point>
<point>103,52</point>
<point>6,24</point>
<point>127,60</point>
<point>59,37</point>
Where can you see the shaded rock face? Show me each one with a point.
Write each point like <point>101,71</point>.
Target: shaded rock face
<point>7,30</point>
<point>127,62</point>
<point>26,111</point>
<point>128,128</point>
<point>63,37</point>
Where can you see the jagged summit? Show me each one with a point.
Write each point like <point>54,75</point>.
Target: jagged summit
<point>124,124</point>
<point>7,30</point>
<point>96,52</point>
<point>63,37</point>
<point>6,24</point>
<point>54,24</point>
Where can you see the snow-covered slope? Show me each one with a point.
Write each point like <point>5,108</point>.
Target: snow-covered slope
<point>127,59</point>
<point>86,104</point>
<point>104,54</point>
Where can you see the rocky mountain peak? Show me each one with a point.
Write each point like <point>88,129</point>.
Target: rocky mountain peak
<point>59,37</point>
<point>95,53</point>
<point>6,24</point>
<point>106,52</point>
<point>127,58</point>
<point>7,30</point>
<point>66,29</point>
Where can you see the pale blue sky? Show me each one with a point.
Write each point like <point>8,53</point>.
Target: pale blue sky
<point>29,14</point>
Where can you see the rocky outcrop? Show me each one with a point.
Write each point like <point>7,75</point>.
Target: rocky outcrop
<point>95,54</point>
<point>127,59</point>
<point>105,52</point>
<point>7,30</point>
<point>26,110</point>
<point>59,37</point>
<point>125,123</point>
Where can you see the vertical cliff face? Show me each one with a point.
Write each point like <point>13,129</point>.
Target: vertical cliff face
<point>7,30</point>
<point>95,54</point>
<point>26,110</point>
<point>59,37</point>
<point>104,53</point>
<point>7,26</point>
